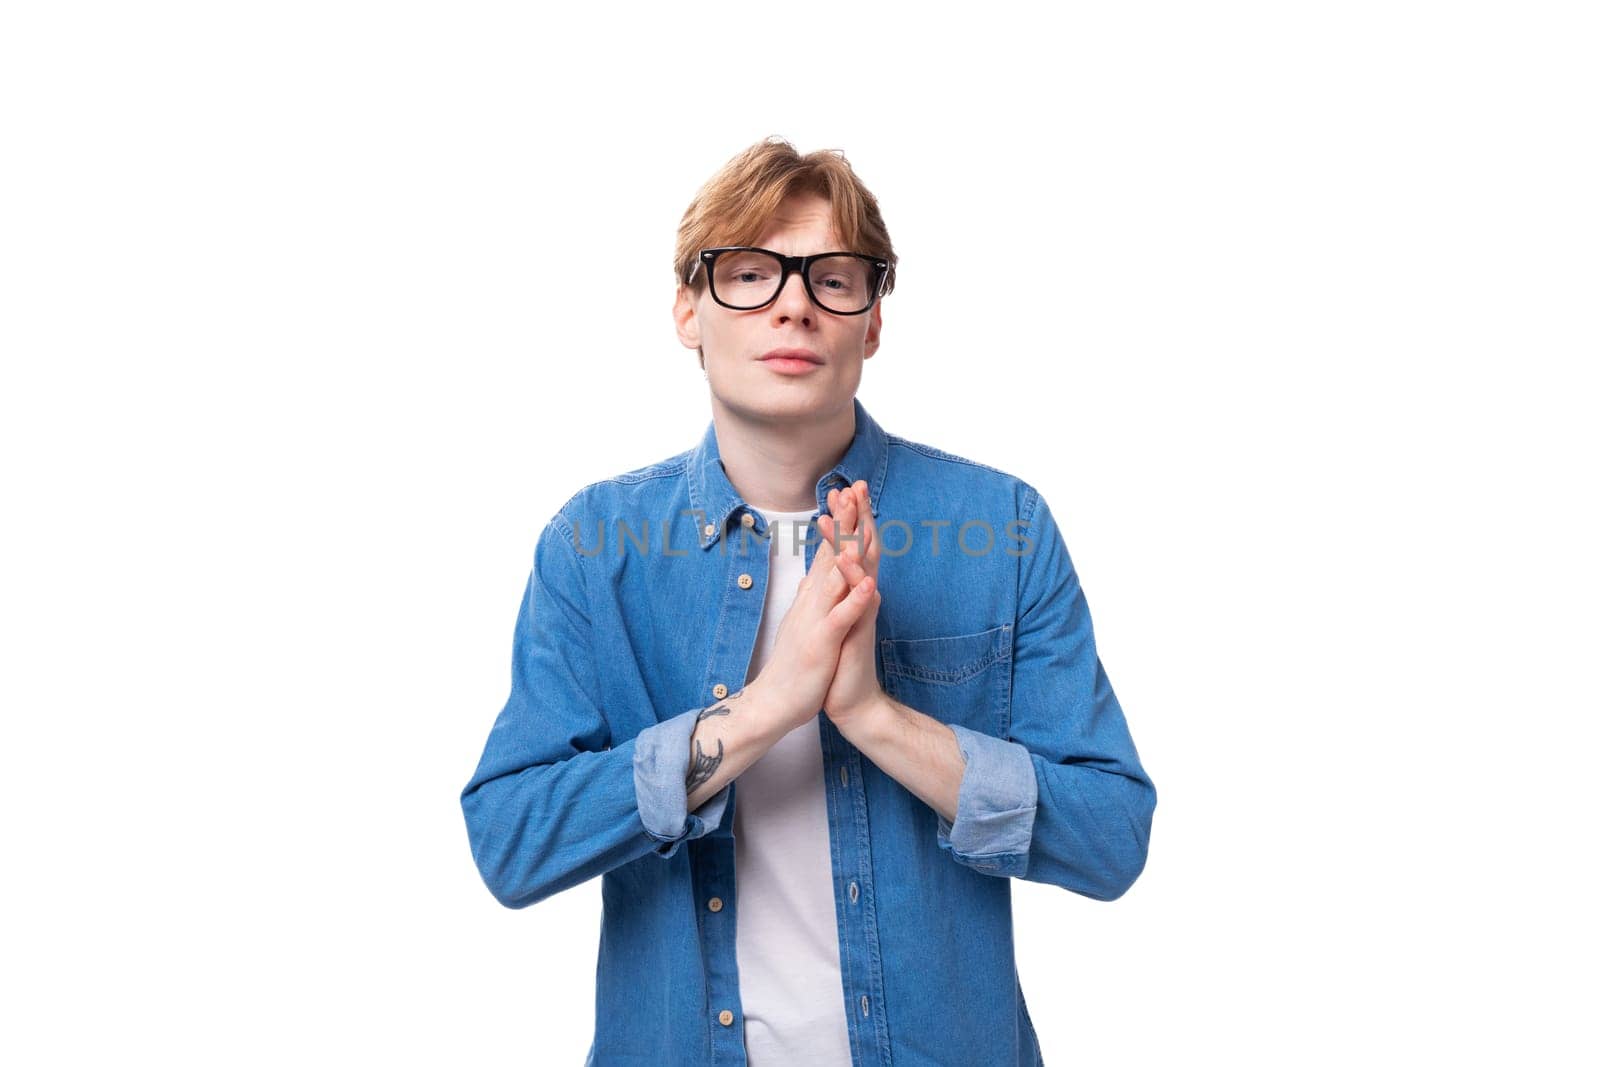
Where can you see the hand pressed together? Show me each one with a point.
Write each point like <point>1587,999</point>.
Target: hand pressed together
<point>823,654</point>
<point>851,527</point>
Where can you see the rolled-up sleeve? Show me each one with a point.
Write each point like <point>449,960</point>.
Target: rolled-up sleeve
<point>660,771</point>
<point>995,807</point>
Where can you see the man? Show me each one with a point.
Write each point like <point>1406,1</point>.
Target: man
<point>806,787</point>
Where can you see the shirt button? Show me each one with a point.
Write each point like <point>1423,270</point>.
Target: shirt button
<point>710,529</point>
<point>748,519</point>
<point>745,581</point>
<point>719,690</point>
<point>844,775</point>
<point>725,1017</point>
<point>863,1004</point>
<point>855,892</point>
<point>715,903</point>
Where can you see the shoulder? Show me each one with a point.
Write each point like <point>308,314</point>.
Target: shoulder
<point>920,469</point>
<point>640,491</point>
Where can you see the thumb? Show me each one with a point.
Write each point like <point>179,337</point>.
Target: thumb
<point>847,611</point>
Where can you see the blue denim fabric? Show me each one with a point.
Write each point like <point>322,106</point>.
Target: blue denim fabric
<point>634,612</point>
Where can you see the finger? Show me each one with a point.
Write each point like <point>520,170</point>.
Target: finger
<point>849,522</point>
<point>821,567</point>
<point>866,620</point>
<point>824,565</point>
<point>834,587</point>
<point>869,530</point>
<point>850,568</point>
<point>861,512</point>
<point>824,543</point>
<point>834,580</point>
<point>847,611</point>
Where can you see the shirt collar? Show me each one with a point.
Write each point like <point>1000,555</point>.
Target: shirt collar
<point>714,500</point>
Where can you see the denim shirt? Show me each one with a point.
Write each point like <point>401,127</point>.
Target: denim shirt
<point>642,609</point>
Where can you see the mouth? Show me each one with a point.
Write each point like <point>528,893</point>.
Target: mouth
<point>793,355</point>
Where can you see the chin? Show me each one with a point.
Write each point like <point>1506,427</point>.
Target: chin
<point>795,398</point>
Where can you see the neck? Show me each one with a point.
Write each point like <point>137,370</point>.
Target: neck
<point>775,462</point>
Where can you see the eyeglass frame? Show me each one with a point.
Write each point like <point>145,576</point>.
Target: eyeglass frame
<point>800,265</point>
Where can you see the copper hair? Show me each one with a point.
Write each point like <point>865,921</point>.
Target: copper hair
<point>737,204</point>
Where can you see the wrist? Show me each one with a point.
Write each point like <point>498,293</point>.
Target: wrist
<point>766,717</point>
<point>877,717</point>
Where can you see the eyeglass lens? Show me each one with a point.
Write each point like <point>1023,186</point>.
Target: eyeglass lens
<point>751,279</point>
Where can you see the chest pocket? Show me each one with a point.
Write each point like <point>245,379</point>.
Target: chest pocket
<point>963,678</point>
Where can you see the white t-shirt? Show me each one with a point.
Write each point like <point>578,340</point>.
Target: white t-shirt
<point>788,936</point>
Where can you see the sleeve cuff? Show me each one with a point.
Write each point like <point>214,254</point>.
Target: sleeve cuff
<point>994,812</point>
<point>660,765</point>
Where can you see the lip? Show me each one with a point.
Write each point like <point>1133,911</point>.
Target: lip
<point>791,355</point>
<point>793,361</point>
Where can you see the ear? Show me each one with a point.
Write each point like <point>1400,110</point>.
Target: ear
<point>686,318</point>
<point>874,327</point>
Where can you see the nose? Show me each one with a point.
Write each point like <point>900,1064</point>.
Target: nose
<point>793,304</point>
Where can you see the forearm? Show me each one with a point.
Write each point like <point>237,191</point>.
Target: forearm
<point>539,829</point>
<point>916,750</point>
<point>728,737</point>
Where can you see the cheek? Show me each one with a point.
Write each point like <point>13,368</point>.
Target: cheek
<point>719,332</point>
<point>707,333</point>
<point>851,336</point>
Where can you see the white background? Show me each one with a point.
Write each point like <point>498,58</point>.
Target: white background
<point>1289,310</point>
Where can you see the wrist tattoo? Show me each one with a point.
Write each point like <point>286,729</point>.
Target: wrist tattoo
<point>703,765</point>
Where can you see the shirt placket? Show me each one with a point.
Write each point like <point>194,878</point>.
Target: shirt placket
<point>744,577</point>
<point>855,901</point>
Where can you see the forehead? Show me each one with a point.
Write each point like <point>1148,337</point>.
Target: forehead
<point>802,223</point>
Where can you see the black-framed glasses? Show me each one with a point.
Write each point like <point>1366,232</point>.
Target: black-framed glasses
<point>744,278</point>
